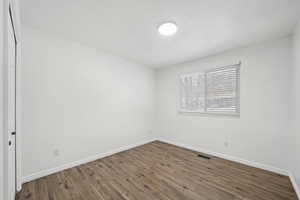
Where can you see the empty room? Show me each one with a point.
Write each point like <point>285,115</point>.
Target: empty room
<point>150,100</point>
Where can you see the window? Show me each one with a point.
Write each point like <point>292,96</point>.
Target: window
<point>213,91</point>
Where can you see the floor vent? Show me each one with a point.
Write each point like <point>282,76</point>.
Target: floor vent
<point>203,156</point>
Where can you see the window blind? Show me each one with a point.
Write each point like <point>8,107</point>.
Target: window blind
<point>193,92</point>
<point>212,91</point>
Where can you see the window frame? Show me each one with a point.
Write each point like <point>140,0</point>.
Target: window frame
<point>237,112</point>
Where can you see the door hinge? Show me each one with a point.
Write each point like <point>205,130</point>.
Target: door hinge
<point>13,133</point>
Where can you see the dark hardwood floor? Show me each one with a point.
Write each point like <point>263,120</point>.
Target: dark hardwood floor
<point>160,171</point>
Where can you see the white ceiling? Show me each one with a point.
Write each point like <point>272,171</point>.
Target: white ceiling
<point>128,28</point>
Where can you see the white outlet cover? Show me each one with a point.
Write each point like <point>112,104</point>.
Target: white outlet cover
<point>56,152</point>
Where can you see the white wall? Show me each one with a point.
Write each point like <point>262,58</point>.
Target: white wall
<point>84,102</point>
<point>259,134</point>
<point>294,145</point>
<point>80,101</point>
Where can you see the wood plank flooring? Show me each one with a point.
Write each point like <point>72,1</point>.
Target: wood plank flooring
<point>160,171</point>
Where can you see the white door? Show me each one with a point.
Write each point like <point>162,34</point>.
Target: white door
<point>11,109</point>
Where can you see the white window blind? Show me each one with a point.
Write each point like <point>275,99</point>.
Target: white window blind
<point>213,91</point>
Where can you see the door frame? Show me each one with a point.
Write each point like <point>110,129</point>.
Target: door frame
<point>15,14</point>
<point>14,5</point>
<point>11,109</point>
<point>12,12</point>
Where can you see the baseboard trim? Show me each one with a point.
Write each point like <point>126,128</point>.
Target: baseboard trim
<point>240,160</point>
<point>47,172</point>
<point>228,157</point>
<point>295,185</point>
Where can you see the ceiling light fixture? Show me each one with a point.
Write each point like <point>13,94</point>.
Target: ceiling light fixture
<point>168,29</point>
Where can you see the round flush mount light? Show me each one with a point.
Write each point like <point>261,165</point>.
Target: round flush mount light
<point>167,29</point>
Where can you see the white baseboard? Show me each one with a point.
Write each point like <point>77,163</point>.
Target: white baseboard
<point>83,161</point>
<point>124,148</point>
<point>296,187</point>
<point>240,160</point>
<point>228,157</point>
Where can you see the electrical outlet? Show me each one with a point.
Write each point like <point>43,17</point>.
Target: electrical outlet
<point>56,152</point>
<point>226,144</point>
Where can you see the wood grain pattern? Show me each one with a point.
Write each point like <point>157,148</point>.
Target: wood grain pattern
<point>160,171</point>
